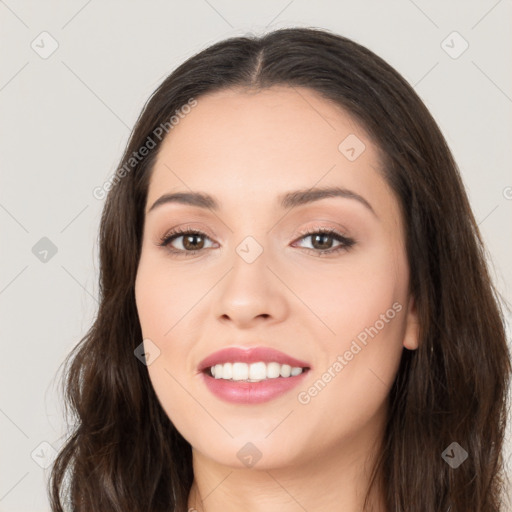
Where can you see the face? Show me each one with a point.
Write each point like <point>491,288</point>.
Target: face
<point>321,279</point>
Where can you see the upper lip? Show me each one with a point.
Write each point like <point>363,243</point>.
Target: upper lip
<point>250,355</point>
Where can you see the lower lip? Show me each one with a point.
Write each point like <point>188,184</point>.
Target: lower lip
<point>240,392</point>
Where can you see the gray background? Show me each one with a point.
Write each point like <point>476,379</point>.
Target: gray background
<point>66,117</point>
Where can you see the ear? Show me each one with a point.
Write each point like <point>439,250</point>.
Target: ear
<point>411,334</point>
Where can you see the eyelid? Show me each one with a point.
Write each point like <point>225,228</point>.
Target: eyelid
<point>320,225</point>
<point>329,226</point>
<point>188,227</point>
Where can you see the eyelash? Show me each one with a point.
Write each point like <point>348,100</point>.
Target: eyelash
<point>346,242</point>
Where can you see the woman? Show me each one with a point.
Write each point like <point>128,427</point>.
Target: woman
<point>296,312</point>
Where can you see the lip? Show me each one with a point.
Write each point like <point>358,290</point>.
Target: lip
<point>243,392</point>
<point>250,355</point>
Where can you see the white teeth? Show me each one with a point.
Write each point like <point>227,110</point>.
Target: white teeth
<point>273,370</point>
<point>227,370</point>
<point>286,370</point>
<point>253,372</point>
<point>257,371</point>
<point>240,372</point>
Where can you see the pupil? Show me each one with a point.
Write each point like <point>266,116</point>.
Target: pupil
<point>187,240</point>
<point>321,236</point>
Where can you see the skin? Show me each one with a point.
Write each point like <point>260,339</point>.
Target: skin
<point>246,148</point>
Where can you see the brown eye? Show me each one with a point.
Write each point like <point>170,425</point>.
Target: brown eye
<point>322,240</point>
<point>191,241</point>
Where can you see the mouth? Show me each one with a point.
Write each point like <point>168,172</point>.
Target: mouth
<point>250,376</point>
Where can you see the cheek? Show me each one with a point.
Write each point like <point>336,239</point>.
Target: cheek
<point>163,297</point>
<point>352,383</point>
<point>160,308</point>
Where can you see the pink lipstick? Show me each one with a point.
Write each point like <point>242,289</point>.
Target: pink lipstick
<point>251,376</point>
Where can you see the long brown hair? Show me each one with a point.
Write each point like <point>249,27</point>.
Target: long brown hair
<point>125,454</point>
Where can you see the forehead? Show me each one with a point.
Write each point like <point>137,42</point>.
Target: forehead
<point>243,145</point>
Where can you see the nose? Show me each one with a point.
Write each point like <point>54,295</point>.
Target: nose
<point>250,293</point>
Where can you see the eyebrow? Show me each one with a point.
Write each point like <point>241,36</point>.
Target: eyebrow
<point>288,200</point>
